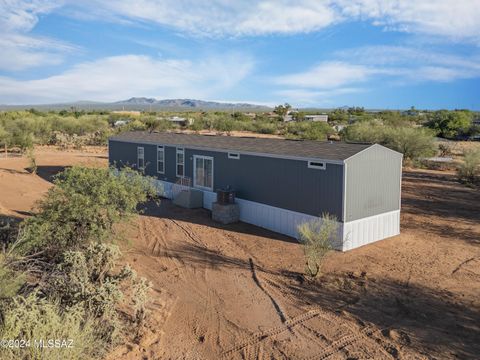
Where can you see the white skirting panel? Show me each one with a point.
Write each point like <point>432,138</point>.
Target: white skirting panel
<point>354,234</point>
<point>164,188</point>
<point>367,230</point>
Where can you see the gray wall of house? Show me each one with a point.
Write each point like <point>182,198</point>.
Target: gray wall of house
<point>283,183</point>
<point>373,183</point>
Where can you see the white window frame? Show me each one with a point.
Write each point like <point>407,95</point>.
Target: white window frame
<point>195,157</point>
<point>316,165</point>
<point>180,151</point>
<point>161,148</point>
<point>235,156</point>
<point>140,156</point>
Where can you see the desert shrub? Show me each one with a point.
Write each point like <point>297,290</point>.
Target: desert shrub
<point>133,125</point>
<point>318,237</point>
<point>223,124</point>
<point>89,278</point>
<point>469,170</point>
<point>155,124</point>
<point>244,125</point>
<point>264,127</point>
<point>450,124</point>
<point>413,143</point>
<point>309,130</point>
<point>32,160</point>
<point>10,281</point>
<point>84,205</point>
<point>32,318</point>
<point>446,149</point>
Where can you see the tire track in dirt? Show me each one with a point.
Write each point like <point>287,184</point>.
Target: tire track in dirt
<point>281,313</point>
<point>258,337</point>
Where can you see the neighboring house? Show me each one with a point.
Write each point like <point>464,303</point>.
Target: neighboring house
<point>278,183</point>
<point>180,120</point>
<point>126,112</point>
<point>119,123</point>
<point>250,115</point>
<point>322,117</point>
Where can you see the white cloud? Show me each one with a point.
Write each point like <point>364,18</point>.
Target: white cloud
<point>305,97</point>
<point>326,75</point>
<point>457,19</point>
<point>21,50</point>
<point>353,69</point>
<point>119,77</point>
<point>414,64</point>
<point>22,15</point>
<point>220,17</point>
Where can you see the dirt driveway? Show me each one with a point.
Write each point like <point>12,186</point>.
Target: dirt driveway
<point>238,291</point>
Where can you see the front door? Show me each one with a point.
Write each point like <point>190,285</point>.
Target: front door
<point>203,172</point>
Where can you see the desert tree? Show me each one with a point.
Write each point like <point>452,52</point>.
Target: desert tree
<point>318,236</point>
<point>84,205</point>
<point>469,171</point>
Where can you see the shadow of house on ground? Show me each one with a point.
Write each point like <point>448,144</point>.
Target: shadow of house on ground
<point>432,196</point>
<point>166,209</point>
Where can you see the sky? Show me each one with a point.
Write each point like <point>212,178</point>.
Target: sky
<point>389,54</point>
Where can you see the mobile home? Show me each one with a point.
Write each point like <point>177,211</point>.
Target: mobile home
<point>278,183</point>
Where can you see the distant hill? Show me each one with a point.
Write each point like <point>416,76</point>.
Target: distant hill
<point>187,104</point>
<point>145,104</point>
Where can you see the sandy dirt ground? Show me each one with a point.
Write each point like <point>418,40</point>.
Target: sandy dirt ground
<point>238,291</point>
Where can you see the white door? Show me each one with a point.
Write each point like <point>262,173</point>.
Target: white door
<point>203,172</point>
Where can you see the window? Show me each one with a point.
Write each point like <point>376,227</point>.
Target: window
<point>233,155</point>
<point>180,162</point>
<point>317,165</point>
<point>160,160</point>
<point>203,172</point>
<point>140,158</point>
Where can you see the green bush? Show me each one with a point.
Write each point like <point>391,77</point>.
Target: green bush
<point>413,143</point>
<point>33,319</point>
<point>469,170</point>
<point>318,238</point>
<point>264,127</point>
<point>92,279</point>
<point>84,205</point>
<point>309,130</point>
<point>10,281</point>
<point>450,124</point>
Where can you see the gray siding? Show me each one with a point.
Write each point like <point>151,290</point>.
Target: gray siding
<point>283,183</point>
<point>373,183</point>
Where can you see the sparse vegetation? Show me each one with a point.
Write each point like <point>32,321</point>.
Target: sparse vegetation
<point>413,143</point>
<point>469,171</point>
<point>450,124</point>
<point>318,238</point>
<point>83,206</point>
<point>60,277</point>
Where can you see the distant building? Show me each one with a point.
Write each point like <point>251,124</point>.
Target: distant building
<point>180,120</point>
<point>323,118</point>
<point>126,112</point>
<point>119,123</point>
<point>250,115</point>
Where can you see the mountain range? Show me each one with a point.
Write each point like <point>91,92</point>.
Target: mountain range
<point>145,104</point>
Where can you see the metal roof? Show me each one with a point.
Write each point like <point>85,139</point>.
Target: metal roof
<point>324,150</point>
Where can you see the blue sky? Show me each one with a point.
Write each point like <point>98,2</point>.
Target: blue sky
<point>310,53</point>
